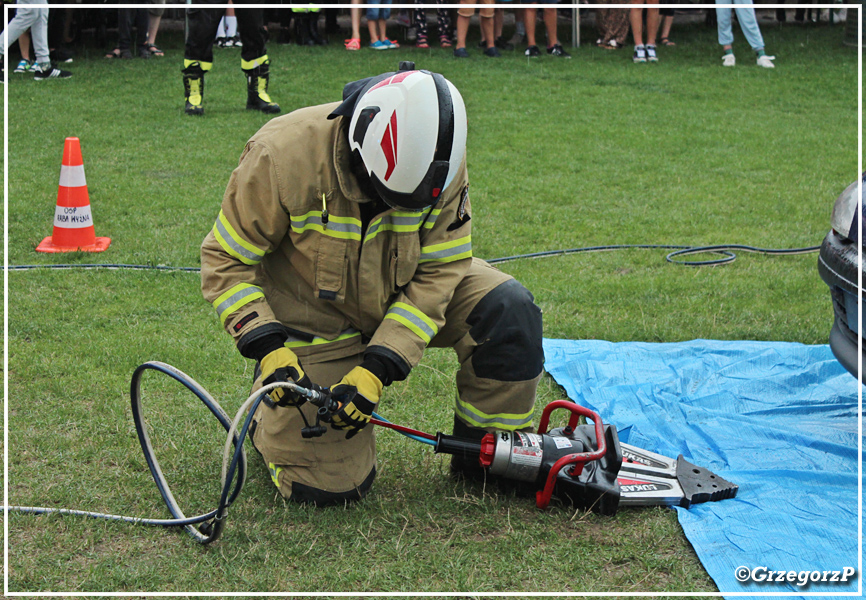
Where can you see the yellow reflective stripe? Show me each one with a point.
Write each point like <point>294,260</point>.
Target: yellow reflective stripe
<point>346,228</point>
<point>246,65</point>
<point>409,316</point>
<point>317,341</point>
<point>236,297</point>
<point>275,473</point>
<point>205,66</point>
<point>506,421</point>
<point>431,221</point>
<point>447,251</point>
<point>401,222</point>
<point>234,244</point>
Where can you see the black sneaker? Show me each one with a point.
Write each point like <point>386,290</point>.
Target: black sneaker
<point>493,52</point>
<point>557,50</point>
<point>461,53</point>
<point>532,51</point>
<point>51,73</point>
<point>503,44</point>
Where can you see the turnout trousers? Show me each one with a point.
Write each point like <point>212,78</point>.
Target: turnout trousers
<point>494,327</point>
<point>203,25</point>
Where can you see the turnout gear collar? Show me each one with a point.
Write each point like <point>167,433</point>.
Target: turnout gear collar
<point>409,130</point>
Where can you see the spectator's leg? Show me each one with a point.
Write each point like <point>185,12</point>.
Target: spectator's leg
<point>723,16</point>
<point>529,16</point>
<point>636,18</point>
<point>652,24</point>
<point>749,25</point>
<point>550,20</point>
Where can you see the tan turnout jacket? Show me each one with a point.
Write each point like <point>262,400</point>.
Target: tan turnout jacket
<point>272,259</point>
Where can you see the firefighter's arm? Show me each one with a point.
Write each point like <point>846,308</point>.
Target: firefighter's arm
<point>251,223</point>
<point>418,312</point>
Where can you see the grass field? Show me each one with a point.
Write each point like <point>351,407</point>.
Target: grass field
<point>562,153</point>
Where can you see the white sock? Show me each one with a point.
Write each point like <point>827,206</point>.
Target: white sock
<point>221,28</point>
<point>231,26</point>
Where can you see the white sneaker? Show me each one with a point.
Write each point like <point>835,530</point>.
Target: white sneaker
<point>766,61</point>
<point>728,60</point>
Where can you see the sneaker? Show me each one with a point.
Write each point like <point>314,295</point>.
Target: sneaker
<point>221,42</point>
<point>766,62</point>
<point>379,45</point>
<point>353,44</point>
<point>23,66</point>
<point>728,60</point>
<point>517,39</point>
<point>492,52</point>
<point>234,42</point>
<point>532,51</point>
<point>51,73</point>
<point>390,44</point>
<point>557,50</point>
<point>461,53</point>
<point>651,54</point>
<point>503,44</point>
<point>639,54</point>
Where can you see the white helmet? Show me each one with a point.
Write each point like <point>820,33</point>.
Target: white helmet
<point>410,130</point>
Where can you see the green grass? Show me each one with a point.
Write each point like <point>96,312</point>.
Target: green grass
<point>562,154</point>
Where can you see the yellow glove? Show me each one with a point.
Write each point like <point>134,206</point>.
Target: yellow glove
<point>357,393</point>
<point>282,365</point>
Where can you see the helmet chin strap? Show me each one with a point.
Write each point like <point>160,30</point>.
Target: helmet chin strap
<point>364,182</point>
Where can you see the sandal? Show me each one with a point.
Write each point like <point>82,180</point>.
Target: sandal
<point>445,41</point>
<point>113,54</point>
<point>154,51</point>
<point>666,42</point>
<point>421,42</point>
<point>353,44</point>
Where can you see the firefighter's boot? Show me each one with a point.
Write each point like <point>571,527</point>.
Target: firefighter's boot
<point>193,89</point>
<point>257,89</point>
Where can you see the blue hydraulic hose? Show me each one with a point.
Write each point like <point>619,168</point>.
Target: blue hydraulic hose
<point>408,435</point>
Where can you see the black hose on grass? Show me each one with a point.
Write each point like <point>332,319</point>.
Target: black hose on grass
<point>212,523</point>
<point>725,250</point>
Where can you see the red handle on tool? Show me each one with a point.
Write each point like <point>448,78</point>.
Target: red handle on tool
<point>542,497</point>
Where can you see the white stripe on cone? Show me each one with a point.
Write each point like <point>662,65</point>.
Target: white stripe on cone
<point>72,176</point>
<point>73,217</point>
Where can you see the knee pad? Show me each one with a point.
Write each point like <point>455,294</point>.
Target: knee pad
<point>506,325</point>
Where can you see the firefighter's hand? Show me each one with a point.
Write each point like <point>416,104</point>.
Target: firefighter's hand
<point>357,393</point>
<point>282,365</point>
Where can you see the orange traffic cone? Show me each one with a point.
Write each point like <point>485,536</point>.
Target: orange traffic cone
<point>73,221</point>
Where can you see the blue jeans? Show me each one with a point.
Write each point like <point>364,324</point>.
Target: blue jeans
<point>374,14</point>
<point>748,23</point>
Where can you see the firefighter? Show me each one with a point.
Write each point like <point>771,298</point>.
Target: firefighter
<point>198,56</point>
<point>341,251</point>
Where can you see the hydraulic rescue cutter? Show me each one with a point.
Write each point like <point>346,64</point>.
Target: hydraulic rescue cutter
<point>587,466</point>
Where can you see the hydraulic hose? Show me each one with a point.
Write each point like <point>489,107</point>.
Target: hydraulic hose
<point>211,524</point>
<point>726,250</point>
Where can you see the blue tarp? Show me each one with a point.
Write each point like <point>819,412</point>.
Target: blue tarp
<point>779,419</point>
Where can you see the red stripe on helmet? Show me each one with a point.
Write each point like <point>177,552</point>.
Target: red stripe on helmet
<point>389,145</point>
<point>393,79</point>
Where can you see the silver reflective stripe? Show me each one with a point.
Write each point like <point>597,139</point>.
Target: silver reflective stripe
<point>402,222</point>
<point>412,317</point>
<point>339,227</point>
<point>228,240</point>
<point>447,252</point>
<point>509,422</point>
<point>307,220</point>
<point>236,298</point>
